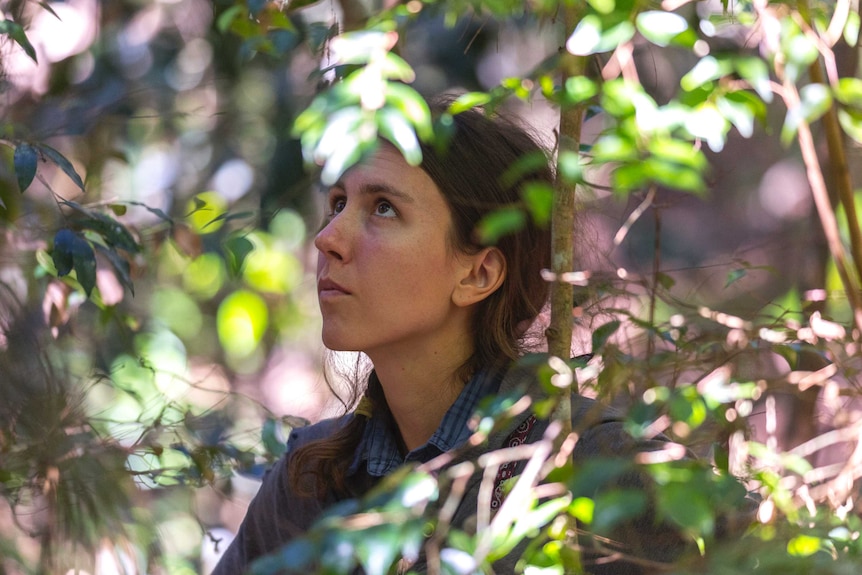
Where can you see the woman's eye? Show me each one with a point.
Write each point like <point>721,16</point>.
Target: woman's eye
<point>384,209</point>
<point>336,206</point>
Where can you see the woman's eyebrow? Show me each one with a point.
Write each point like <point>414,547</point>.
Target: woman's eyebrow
<point>379,188</point>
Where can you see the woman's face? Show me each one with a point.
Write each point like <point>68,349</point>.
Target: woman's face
<point>385,270</point>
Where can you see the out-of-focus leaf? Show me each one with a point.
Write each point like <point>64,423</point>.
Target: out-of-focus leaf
<point>85,266</point>
<point>707,69</point>
<point>756,72</point>
<point>64,239</point>
<point>394,127</point>
<point>602,334</point>
<point>815,99</point>
<point>71,251</point>
<point>408,101</point>
<point>734,276</point>
<point>803,545</point>
<point>578,89</point>
<point>469,101</point>
<point>848,91</point>
<point>16,32</point>
<point>569,166</point>
<point>25,161</point>
<point>523,167</point>
<point>499,223</point>
<point>270,434</point>
<point>660,27</point>
<point>119,209</point>
<point>740,108</point>
<point>121,266</point>
<point>615,506</point>
<point>603,6</point>
<point>62,163</point>
<point>529,523</point>
<point>115,233</point>
<point>852,123</point>
<point>238,248</point>
<point>539,199</point>
<point>225,20</point>
<point>851,29</point>
<point>586,37</point>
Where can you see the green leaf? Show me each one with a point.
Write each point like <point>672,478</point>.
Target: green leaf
<point>394,127</point>
<point>613,507</point>
<point>539,199</point>
<point>756,72</point>
<point>706,70</point>
<point>64,164</point>
<point>408,101</point>
<point>815,100</point>
<point>660,27</point>
<point>468,101</point>
<point>848,91</point>
<point>587,36</point>
<point>688,504</point>
<point>238,248</point>
<point>25,161</point>
<point>803,545</point>
<point>499,223</point>
<point>16,32</point>
<point>741,109</point>
<point>851,29</point>
<point>734,276</point>
<point>604,7</point>
<point>523,168</point>
<point>225,20</point>
<point>578,89</point>
<point>602,334</point>
<point>569,166</point>
<point>678,151</point>
<point>851,122</point>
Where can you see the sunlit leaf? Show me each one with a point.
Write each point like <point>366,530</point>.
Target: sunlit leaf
<point>569,166</point>
<point>582,509</point>
<point>756,72</point>
<point>851,29</point>
<point>579,89</point>
<point>408,101</point>
<point>586,37</point>
<point>851,122</point>
<point>25,160</point>
<point>394,127</point>
<point>602,6</point>
<point>706,70</point>
<point>660,27</point>
<point>803,545</point>
<point>848,91</point>
<point>468,101</point>
<point>815,100</point>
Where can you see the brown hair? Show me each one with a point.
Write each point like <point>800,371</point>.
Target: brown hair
<point>473,169</point>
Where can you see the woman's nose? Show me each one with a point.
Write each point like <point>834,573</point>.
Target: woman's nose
<point>330,241</point>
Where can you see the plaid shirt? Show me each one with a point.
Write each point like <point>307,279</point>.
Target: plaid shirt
<point>379,446</point>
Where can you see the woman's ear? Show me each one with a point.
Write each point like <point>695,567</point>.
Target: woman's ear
<point>484,273</point>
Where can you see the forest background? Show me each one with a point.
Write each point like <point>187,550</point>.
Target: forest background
<point>158,327</point>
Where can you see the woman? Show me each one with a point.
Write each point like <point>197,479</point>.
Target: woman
<point>403,278</point>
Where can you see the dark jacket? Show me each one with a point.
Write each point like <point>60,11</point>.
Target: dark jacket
<point>276,515</point>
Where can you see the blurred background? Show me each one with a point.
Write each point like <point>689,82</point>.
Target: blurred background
<point>188,366</point>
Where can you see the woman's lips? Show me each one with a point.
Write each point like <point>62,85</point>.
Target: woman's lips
<point>326,288</point>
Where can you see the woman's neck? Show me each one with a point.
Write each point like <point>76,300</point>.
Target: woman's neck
<point>421,386</point>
